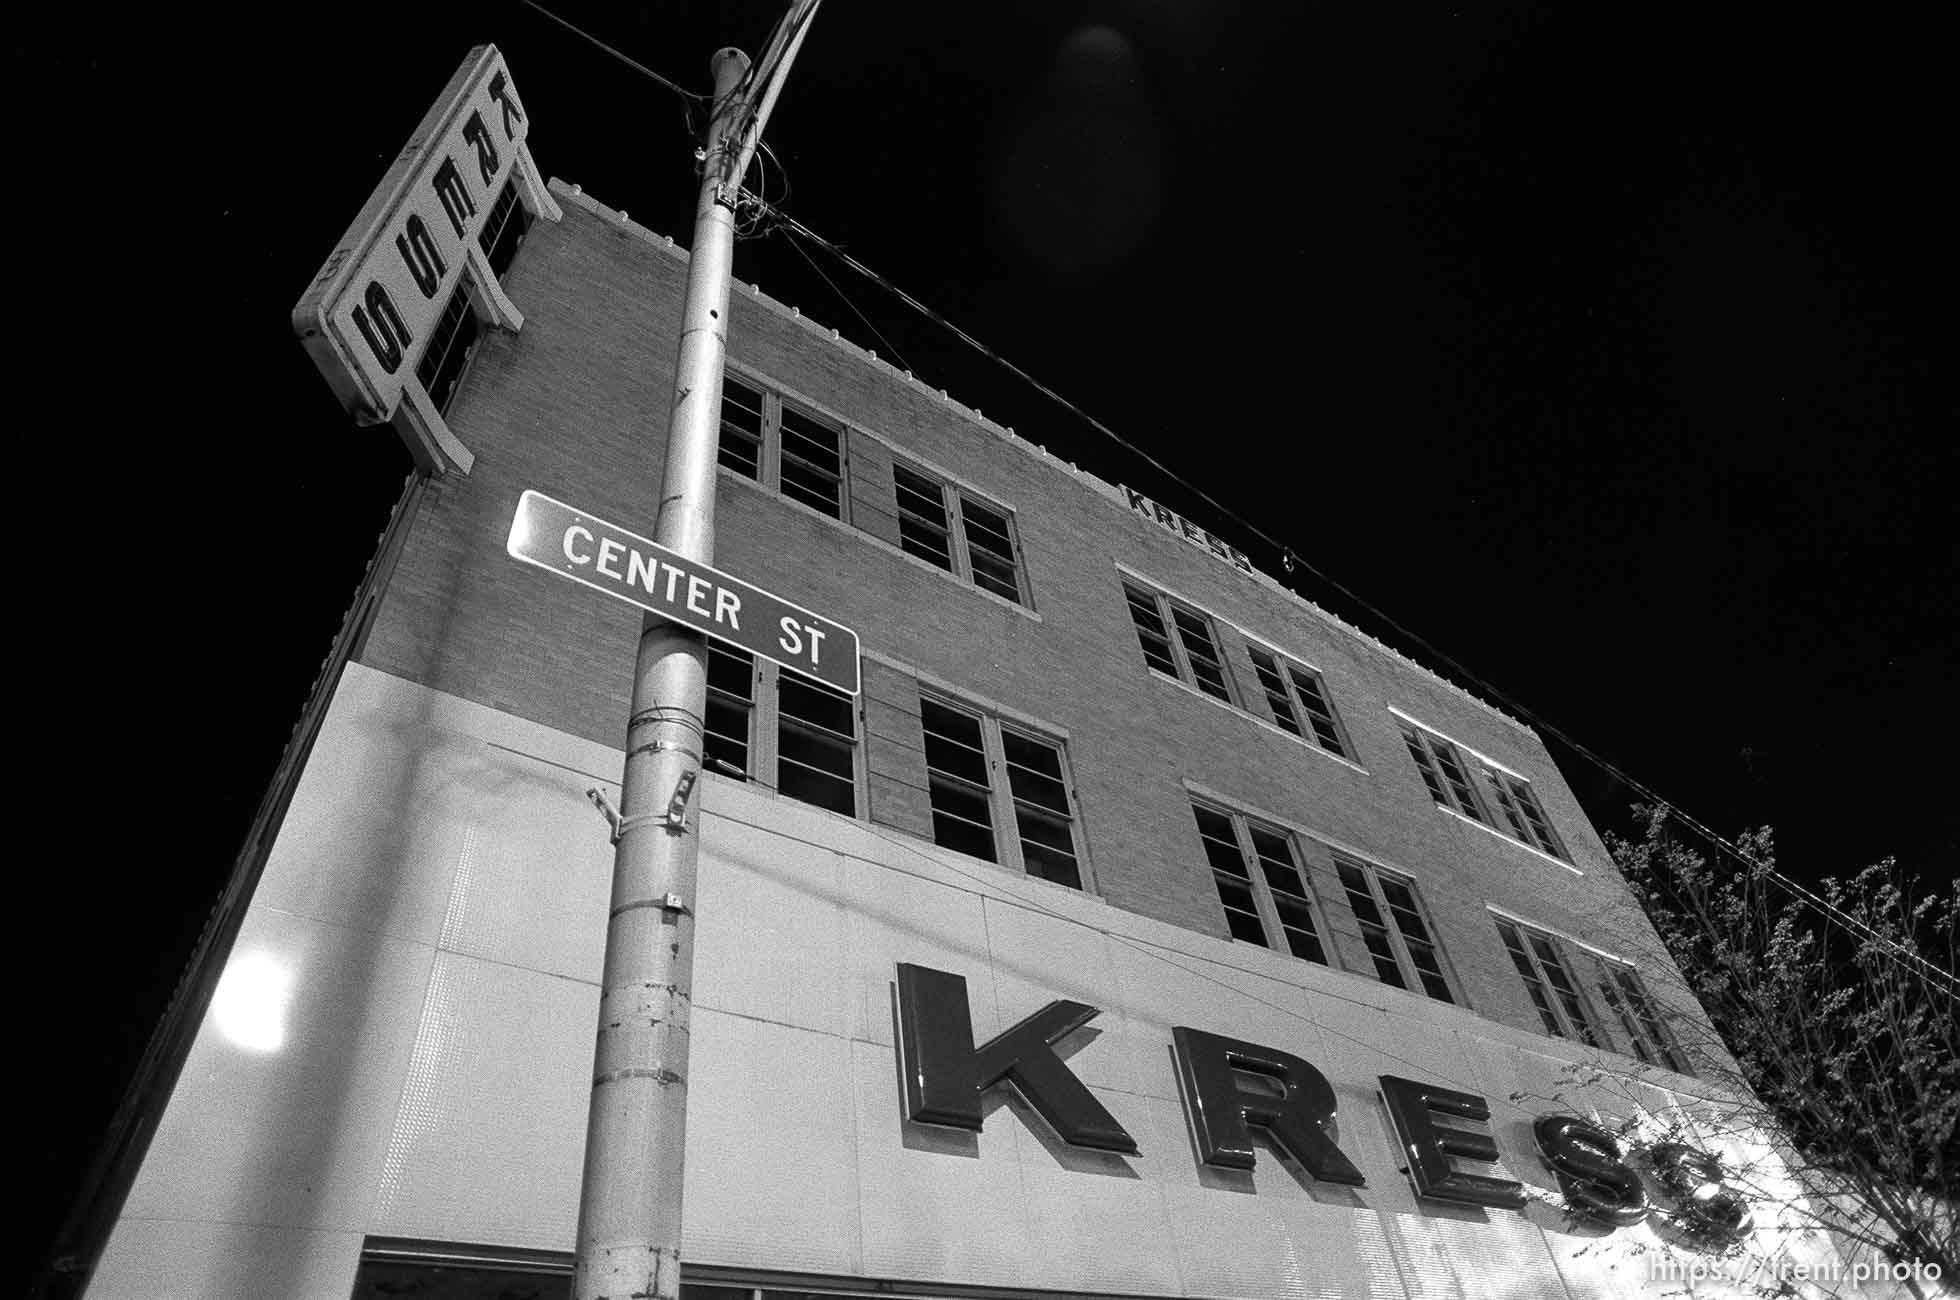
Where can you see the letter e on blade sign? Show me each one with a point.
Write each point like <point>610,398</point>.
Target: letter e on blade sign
<point>628,567</point>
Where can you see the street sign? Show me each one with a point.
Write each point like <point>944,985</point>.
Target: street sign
<point>628,567</point>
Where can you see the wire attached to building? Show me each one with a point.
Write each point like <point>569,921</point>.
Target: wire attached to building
<point>690,100</point>
<point>789,237</point>
<point>1290,559</point>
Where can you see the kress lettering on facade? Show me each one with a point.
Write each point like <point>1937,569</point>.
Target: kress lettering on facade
<point>1231,1087</point>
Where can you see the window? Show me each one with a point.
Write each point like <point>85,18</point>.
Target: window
<point>504,229</point>
<point>1025,821</point>
<point>1260,884</point>
<point>1443,772</point>
<point>1193,657</point>
<point>1521,810</point>
<point>731,701</point>
<point>1446,773</point>
<point>813,462</point>
<point>816,743</point>
<point>453,338</point>
<point>1549,983</point>
<point>1398,940</point>
<point>951,529</point>
<point>768,438</point>
<point>1298,700</point>
<point>766,720</point>
<point>741,428</point>
<point>451,342</point>
<point>1626,996</point>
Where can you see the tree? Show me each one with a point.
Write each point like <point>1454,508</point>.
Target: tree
<point>1835,1046</point>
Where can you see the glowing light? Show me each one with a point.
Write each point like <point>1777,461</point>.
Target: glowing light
<point>252,1000</point>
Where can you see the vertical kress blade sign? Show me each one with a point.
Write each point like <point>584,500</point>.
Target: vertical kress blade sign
<point>368,317</point>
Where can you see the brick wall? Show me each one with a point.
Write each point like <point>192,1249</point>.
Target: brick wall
<point>576,405</point>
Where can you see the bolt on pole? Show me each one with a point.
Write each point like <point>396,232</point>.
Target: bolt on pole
<point>629,1224</point>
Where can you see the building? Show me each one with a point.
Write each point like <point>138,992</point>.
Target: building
<point>1096,757</point>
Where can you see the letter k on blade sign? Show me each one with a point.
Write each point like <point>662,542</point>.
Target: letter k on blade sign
<point>605,557</point>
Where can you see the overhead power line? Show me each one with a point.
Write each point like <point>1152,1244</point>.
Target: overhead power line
<point>690,99</point>
<point>1294,559</point>
<point>1290,558</point>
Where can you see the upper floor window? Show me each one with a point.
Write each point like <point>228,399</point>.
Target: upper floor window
<point>1178,641</point>
<point>954,530</point>
<point>1626,997</point>
<point>766,722</point>
<point>1549,983</point>
<point>1260,884</point>
<point>504,229</point>
<point>1392,926</point>
<point>999,792</point>
<point>741,428</point>
<point>1443,771</point>
<point>451,343</point>
<point>768,438</point>
<point>1447,772</point>
<point>1522,811</point>
<point>812,461</point>
<point>1298,700</point>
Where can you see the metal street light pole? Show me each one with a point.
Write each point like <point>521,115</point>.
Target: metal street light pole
<point>629,1229</point>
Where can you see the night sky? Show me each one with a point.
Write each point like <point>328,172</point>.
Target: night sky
<point>1607,350</point>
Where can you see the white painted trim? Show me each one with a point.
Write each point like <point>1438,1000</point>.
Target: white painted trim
<point>1254,718</point>
<point>1005,712</point>
<point>1487,828</point>
<point>1475,753</point>
<point>881,544</point>
<point>1530,924</point>
<point>1371,857</point>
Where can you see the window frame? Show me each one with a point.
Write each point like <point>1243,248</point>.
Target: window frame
<point>1646,1029</point>
<point>765,722</point>
<point>1555,1013</point>
<point>955,502</point>
<point>1003,804</point>
<point>1275,932</point>
<point>1521,807</point>
<point>1408,969</point>
<point>770,453</point>
<point>1302,724</point>
<point>1436,756</point>
<point>1166,607</point>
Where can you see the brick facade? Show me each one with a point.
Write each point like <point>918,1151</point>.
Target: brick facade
<point>575,406</point>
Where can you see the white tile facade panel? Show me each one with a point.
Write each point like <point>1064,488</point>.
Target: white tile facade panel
<point>771,1147</point>
<point>1469,1254</point>
<point>938,1204</point>
<point>375,828</point>
<point>769,939</point>
<point>1038,957</point>
<point>182,1259</point>
<point>896,916</point>
<point>488,1137</point>
<point>533,867</point>
<point>281,1114</point>
<point>431,928</point>
<point>1160,988</point>
<point>1246,1246</point>
<point>1116,1201</point>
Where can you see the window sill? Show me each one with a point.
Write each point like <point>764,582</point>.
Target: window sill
<point>1516,843</point>
<point>1255,719</point>
<point>879,543</point>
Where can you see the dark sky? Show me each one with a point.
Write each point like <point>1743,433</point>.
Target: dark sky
<point>1609,352</point>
